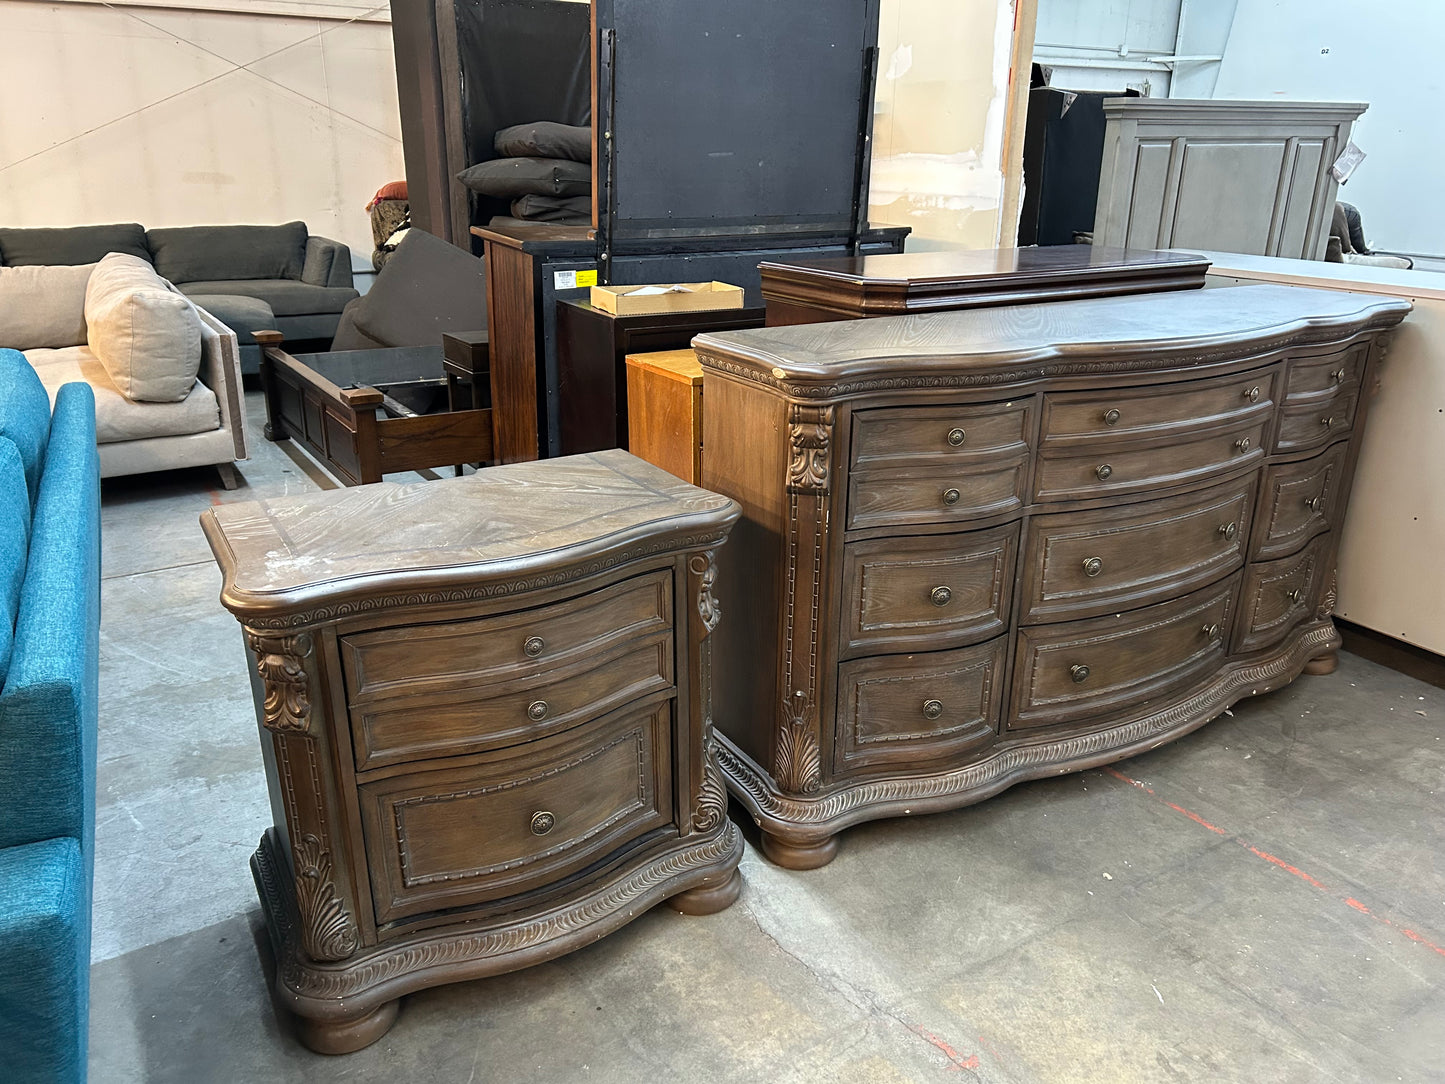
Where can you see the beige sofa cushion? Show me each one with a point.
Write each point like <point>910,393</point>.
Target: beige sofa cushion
<point>143,330</point>
<point>116,417</point>
<point>42,306</point>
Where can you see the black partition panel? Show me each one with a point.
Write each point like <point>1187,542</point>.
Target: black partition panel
<point>734,117</point>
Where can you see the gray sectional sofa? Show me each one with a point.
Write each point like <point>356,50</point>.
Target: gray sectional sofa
<point>251,278</point>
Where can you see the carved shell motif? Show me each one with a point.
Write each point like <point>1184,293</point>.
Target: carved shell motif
<point>328,931</point>
<point>809,430</point>
<point>800,767</point>
<point>287,707</point>
<point>708,609</point>
<point>712,796</point>
<point>1327,600</point>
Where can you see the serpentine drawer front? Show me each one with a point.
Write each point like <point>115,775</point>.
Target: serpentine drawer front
<point>990,545</point>
<point>485,708</point>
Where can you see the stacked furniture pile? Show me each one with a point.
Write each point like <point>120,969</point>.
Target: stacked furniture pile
<point>543,168</point>
<point>164,373</point>
<point>49,664</point>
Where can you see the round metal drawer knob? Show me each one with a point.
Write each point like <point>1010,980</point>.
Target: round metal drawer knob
<point>537,709</point>
<point>1103,471</point>
<point>543,822</point>
<point>1093,566</point>
<point>1252,394</point>
<point>1111,417</point>
<point>951,496</point>
<point>1328,420</point>
<point>533,646</point>
<point>1297,595</point>
<point>956,437</point>
<point>932,709</point>
<point>1244,444</point>
<point>1338,376</point>
<point>1079,672</point>
<point>1229,530</point>
<point>1315,504</point>
<point>941,596</point>
<point>1211,631</point>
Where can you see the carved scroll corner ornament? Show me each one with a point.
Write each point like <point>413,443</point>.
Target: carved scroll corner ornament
<point>280,660</point>
<point>704,566</point>
<point>1328,599</point>
<point>328,932</point>
<point>810,430</point>
<point>712,796</point>
<point>800,765</point>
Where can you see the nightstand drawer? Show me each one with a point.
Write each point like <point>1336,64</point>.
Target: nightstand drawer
<point>515,820</point>
<point>927,592</point>
<point>1301,500</point>
<point>902,436</point>
<point>1141,413</point>
<point>1083,669</point>
<point>427,725</point>
<point>1279,595</point>
<point>461,655</point>
<point>1085,564</point>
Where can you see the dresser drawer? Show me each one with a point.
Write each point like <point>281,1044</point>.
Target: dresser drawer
<point>464,654</point>
<point>926,593</point>
<point>507,822</point>
<point>1084,564</point>
<point>898,709</point>
<point>1325,373</point>
<point>1136,467</point>
<point>1301,500</point>
<point>1278,595</point>
<point>900,436</point>
<point>1142,413</point>
<point>1070,672</point>
<point>1313,423</point>
<point>898,498</point>
<point>397,729</point>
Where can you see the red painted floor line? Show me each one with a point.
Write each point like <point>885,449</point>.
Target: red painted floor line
<point>1348,901</point>
<point>956,1060</point>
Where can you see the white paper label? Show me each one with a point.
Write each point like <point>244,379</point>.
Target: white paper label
<point>1347,162</point>
<point>564,280</point>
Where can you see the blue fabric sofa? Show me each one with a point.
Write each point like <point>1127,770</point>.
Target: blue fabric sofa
<point>49,662</point>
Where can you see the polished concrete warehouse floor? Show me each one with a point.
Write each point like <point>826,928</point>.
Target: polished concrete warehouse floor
<point>1263,900</point>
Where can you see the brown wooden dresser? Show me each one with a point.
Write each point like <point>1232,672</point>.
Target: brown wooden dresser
<point>485,719</point>
<point>985,546</point>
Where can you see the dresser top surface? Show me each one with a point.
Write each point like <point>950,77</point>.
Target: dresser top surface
<point>979,269</point>
<point>514,526</point>
<point>1026,341</point>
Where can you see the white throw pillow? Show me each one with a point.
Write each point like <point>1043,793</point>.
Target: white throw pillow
<point>143,330</point>
<point>43,307</point>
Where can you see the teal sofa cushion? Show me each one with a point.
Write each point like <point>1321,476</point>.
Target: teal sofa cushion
<point>71,245</point>
<point>44,961</point>
<point>196,253</point>
<point>24,415</point>
<point>14,544</point>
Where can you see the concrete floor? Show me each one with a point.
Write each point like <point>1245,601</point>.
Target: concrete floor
<point>1263,900</point>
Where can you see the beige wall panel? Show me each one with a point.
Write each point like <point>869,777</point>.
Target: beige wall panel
<point>241,41</point>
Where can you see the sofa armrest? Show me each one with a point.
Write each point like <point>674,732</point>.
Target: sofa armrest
<point>49,704</point>
<point>221,372</point>
<point>328,263</point>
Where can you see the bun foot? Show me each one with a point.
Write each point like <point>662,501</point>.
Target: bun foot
<point>1323,664</point>
<point>347,1035</point>
<point>708,899</point>
<point>799,855</point>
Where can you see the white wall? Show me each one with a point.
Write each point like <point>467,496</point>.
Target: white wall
<point>161,113</point>
<point>1387,54</point>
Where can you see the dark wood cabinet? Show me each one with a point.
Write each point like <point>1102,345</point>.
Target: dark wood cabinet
<point>984,546</point>
<point>485,711</point>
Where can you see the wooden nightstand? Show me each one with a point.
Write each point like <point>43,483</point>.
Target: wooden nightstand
<point>664,411</point>
<point>486,720</point>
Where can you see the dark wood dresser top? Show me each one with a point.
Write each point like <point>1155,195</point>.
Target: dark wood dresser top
<point>498,530</point>
<point>820,359</point>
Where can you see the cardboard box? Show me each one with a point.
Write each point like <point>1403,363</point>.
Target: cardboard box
<point>666,297</point>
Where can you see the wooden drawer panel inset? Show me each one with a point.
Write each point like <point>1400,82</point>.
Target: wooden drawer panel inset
<point>1279,595</point>
<point>927,593</point>
<point>934,495</point>
<point>1107,471</point>
<point>1313,423</point>
<point>1070,672</point>
<point>1325,373</point>
<point>463,654</point>
<point>1142,413</point>
<point>1084,564</point>
<point>1300,501</point>
<point>898,436</point>
<point>515,820</point>
<point>900,708</point>
<point>449,723</point>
